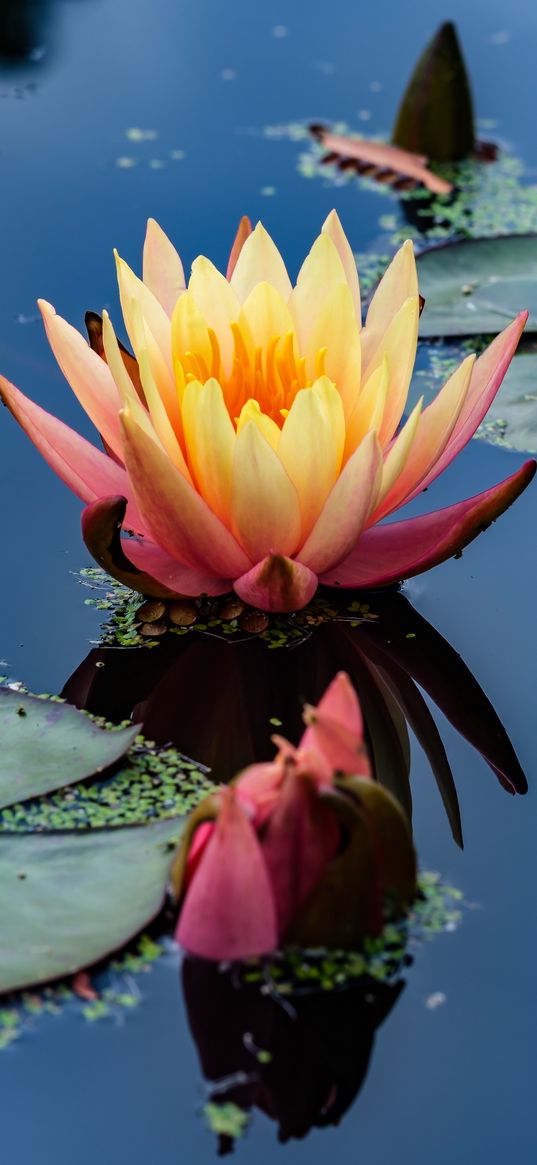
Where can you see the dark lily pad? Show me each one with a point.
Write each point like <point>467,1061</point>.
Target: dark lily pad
<point>46,744</point>
<point>477,286</point>
<point>67,899</point>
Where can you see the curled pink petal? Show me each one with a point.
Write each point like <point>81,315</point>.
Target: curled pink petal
<point>277,584</point>
<point>399,550</point>
<point>218,919</point>
<point>140,565</point>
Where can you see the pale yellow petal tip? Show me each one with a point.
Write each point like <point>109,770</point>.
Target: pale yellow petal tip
<point>332,220</point>
<point>46,309</point>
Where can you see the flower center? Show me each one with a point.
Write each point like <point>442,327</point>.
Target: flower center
<point>271,374</point>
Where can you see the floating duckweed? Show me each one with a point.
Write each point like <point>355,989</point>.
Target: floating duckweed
<point>226,1120</point>
<point>153,783</point>
<point>294,970</point>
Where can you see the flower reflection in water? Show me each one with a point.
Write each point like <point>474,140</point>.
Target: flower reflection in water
<point>302,1060</point>
<point>220,702</point>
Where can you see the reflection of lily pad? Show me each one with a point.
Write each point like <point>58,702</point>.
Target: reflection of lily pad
<point>69,898</point>
<point>46,744</point>
<point>478,285</point>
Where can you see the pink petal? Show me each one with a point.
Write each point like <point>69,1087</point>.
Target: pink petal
<point>489,371</point>
<point>341,704</point>
<point>245,229</point>
<point>257,788</point>
<point>340,748</point>
<point>228,912</point>
<point>87,471</point>
<point>89,376</point>
<point>140,565</point>
<point>277,584</point>
<point>183,580</point>
<point>301,837</point>
<point>399,550</point>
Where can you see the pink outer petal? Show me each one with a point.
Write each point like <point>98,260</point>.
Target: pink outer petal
<point>277,584</point>
<point>183,580</point>
<point>244,230</point>
<point>88,472</point>
<point>489,371</point>
<point>89,376</point>
<point>341,703</point>
<point>341,748</point>
<point>257,788</point>
<point>399,550</point>
<point>229,912</point>
<point>339,712</point>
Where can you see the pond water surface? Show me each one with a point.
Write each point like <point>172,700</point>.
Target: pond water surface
<point>202,80</point>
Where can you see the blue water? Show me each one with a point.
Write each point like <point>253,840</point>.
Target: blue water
<point>455,1082</point>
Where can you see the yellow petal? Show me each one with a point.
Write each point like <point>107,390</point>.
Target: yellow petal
<point>190,333</point>
<point>266,513</point>
<point>131,289</point>
<point>163,270</point>
<point>265,314</point>
<point>157,335</point>
<point>336,328</point>
<point>321,272</point>
<point>155,404</point>
<point>260,262</point>
<point>180,521</point>
<point>398,454</point>
<point>124,384</point>
<point>332,227</point>
<point>251,411</point>
<point>368,411</point>
<point>218,304</point>
<point>398,345</point>
<point>399,283</point>
<point>310,447</point>
<point>210,440</point>
<point>346,510</point>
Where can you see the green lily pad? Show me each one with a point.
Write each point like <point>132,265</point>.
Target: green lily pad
<point>67,899</point>
<point>477,286</point>
<point>512,418</point>
<point>46,744</point>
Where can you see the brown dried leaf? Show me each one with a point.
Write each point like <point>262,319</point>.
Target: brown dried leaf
<point>383,163</point>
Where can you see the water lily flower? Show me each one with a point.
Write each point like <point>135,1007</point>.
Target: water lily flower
<point>256,440</point>
<point>305,849</point>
